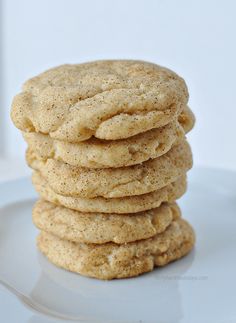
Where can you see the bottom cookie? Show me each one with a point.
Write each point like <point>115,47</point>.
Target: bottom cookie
<point>108,261</point>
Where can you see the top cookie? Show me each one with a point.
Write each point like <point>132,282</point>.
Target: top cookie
<point>106,99</point>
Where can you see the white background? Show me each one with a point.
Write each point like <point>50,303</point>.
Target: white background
<point>194,38</point>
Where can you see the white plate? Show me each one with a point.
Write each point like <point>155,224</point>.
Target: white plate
<point>199,288</point>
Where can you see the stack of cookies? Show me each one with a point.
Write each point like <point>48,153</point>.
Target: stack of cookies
<point>106,142</point>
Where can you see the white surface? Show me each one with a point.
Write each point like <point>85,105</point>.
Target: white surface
<point>195,38</point>
<point>199,288</point>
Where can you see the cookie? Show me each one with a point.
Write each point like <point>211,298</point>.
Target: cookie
<point>129,204</point>
<point>108,261</point>
<point>106,99</point>
<point>100,228</point>
<point>96,153</point>
<point>114,182</point>
<point>187,119</point>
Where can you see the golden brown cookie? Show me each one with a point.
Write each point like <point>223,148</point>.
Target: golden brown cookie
<point>129,204</point>
<point>105,99</point>
<point>149,176</point>
<point>97,153</point>
<point>109,260</point>
<point>100,228</point>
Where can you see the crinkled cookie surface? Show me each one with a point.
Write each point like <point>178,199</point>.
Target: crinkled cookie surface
<point>108,261</point>
<point>105,99</point>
